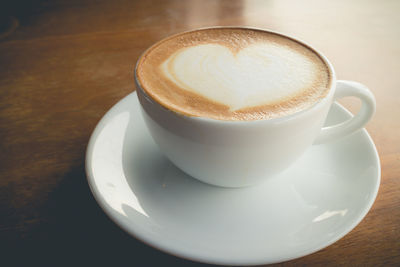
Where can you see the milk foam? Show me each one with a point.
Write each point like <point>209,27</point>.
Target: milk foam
<point>233,73</point>
<point>259,74</point>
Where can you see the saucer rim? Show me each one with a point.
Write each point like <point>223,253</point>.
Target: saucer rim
<point>154,243</point>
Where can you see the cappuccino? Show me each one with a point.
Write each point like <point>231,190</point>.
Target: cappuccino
<point>233,74</point>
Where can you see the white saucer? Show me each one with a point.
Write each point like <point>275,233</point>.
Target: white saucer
<point>308,207</point>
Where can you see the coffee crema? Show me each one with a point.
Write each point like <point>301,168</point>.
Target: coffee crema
<point>233,74</point>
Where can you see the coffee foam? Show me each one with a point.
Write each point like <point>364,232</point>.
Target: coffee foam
<point>233,74</point>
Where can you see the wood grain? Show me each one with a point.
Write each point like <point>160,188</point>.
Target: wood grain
<point>63,64</point>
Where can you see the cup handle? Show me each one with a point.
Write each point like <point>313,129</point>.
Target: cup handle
<point>343,89</point>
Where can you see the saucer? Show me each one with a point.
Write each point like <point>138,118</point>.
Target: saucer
<point>309,206</point>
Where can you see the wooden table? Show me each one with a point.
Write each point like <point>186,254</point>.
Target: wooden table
<point>63,64</point>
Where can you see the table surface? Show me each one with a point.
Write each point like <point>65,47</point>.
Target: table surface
<point>63,64</point>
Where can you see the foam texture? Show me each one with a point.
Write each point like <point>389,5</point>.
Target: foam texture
<point>233,74</point>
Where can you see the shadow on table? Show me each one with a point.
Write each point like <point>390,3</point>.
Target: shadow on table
<point>76,232</point>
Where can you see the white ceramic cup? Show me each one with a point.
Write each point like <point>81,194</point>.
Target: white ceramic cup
<point>244,153</point>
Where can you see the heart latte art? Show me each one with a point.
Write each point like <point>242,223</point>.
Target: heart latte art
<point>233,74</point>
<point>256,75</point>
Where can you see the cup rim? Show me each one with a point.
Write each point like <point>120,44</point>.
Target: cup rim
<point>316,105</point>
